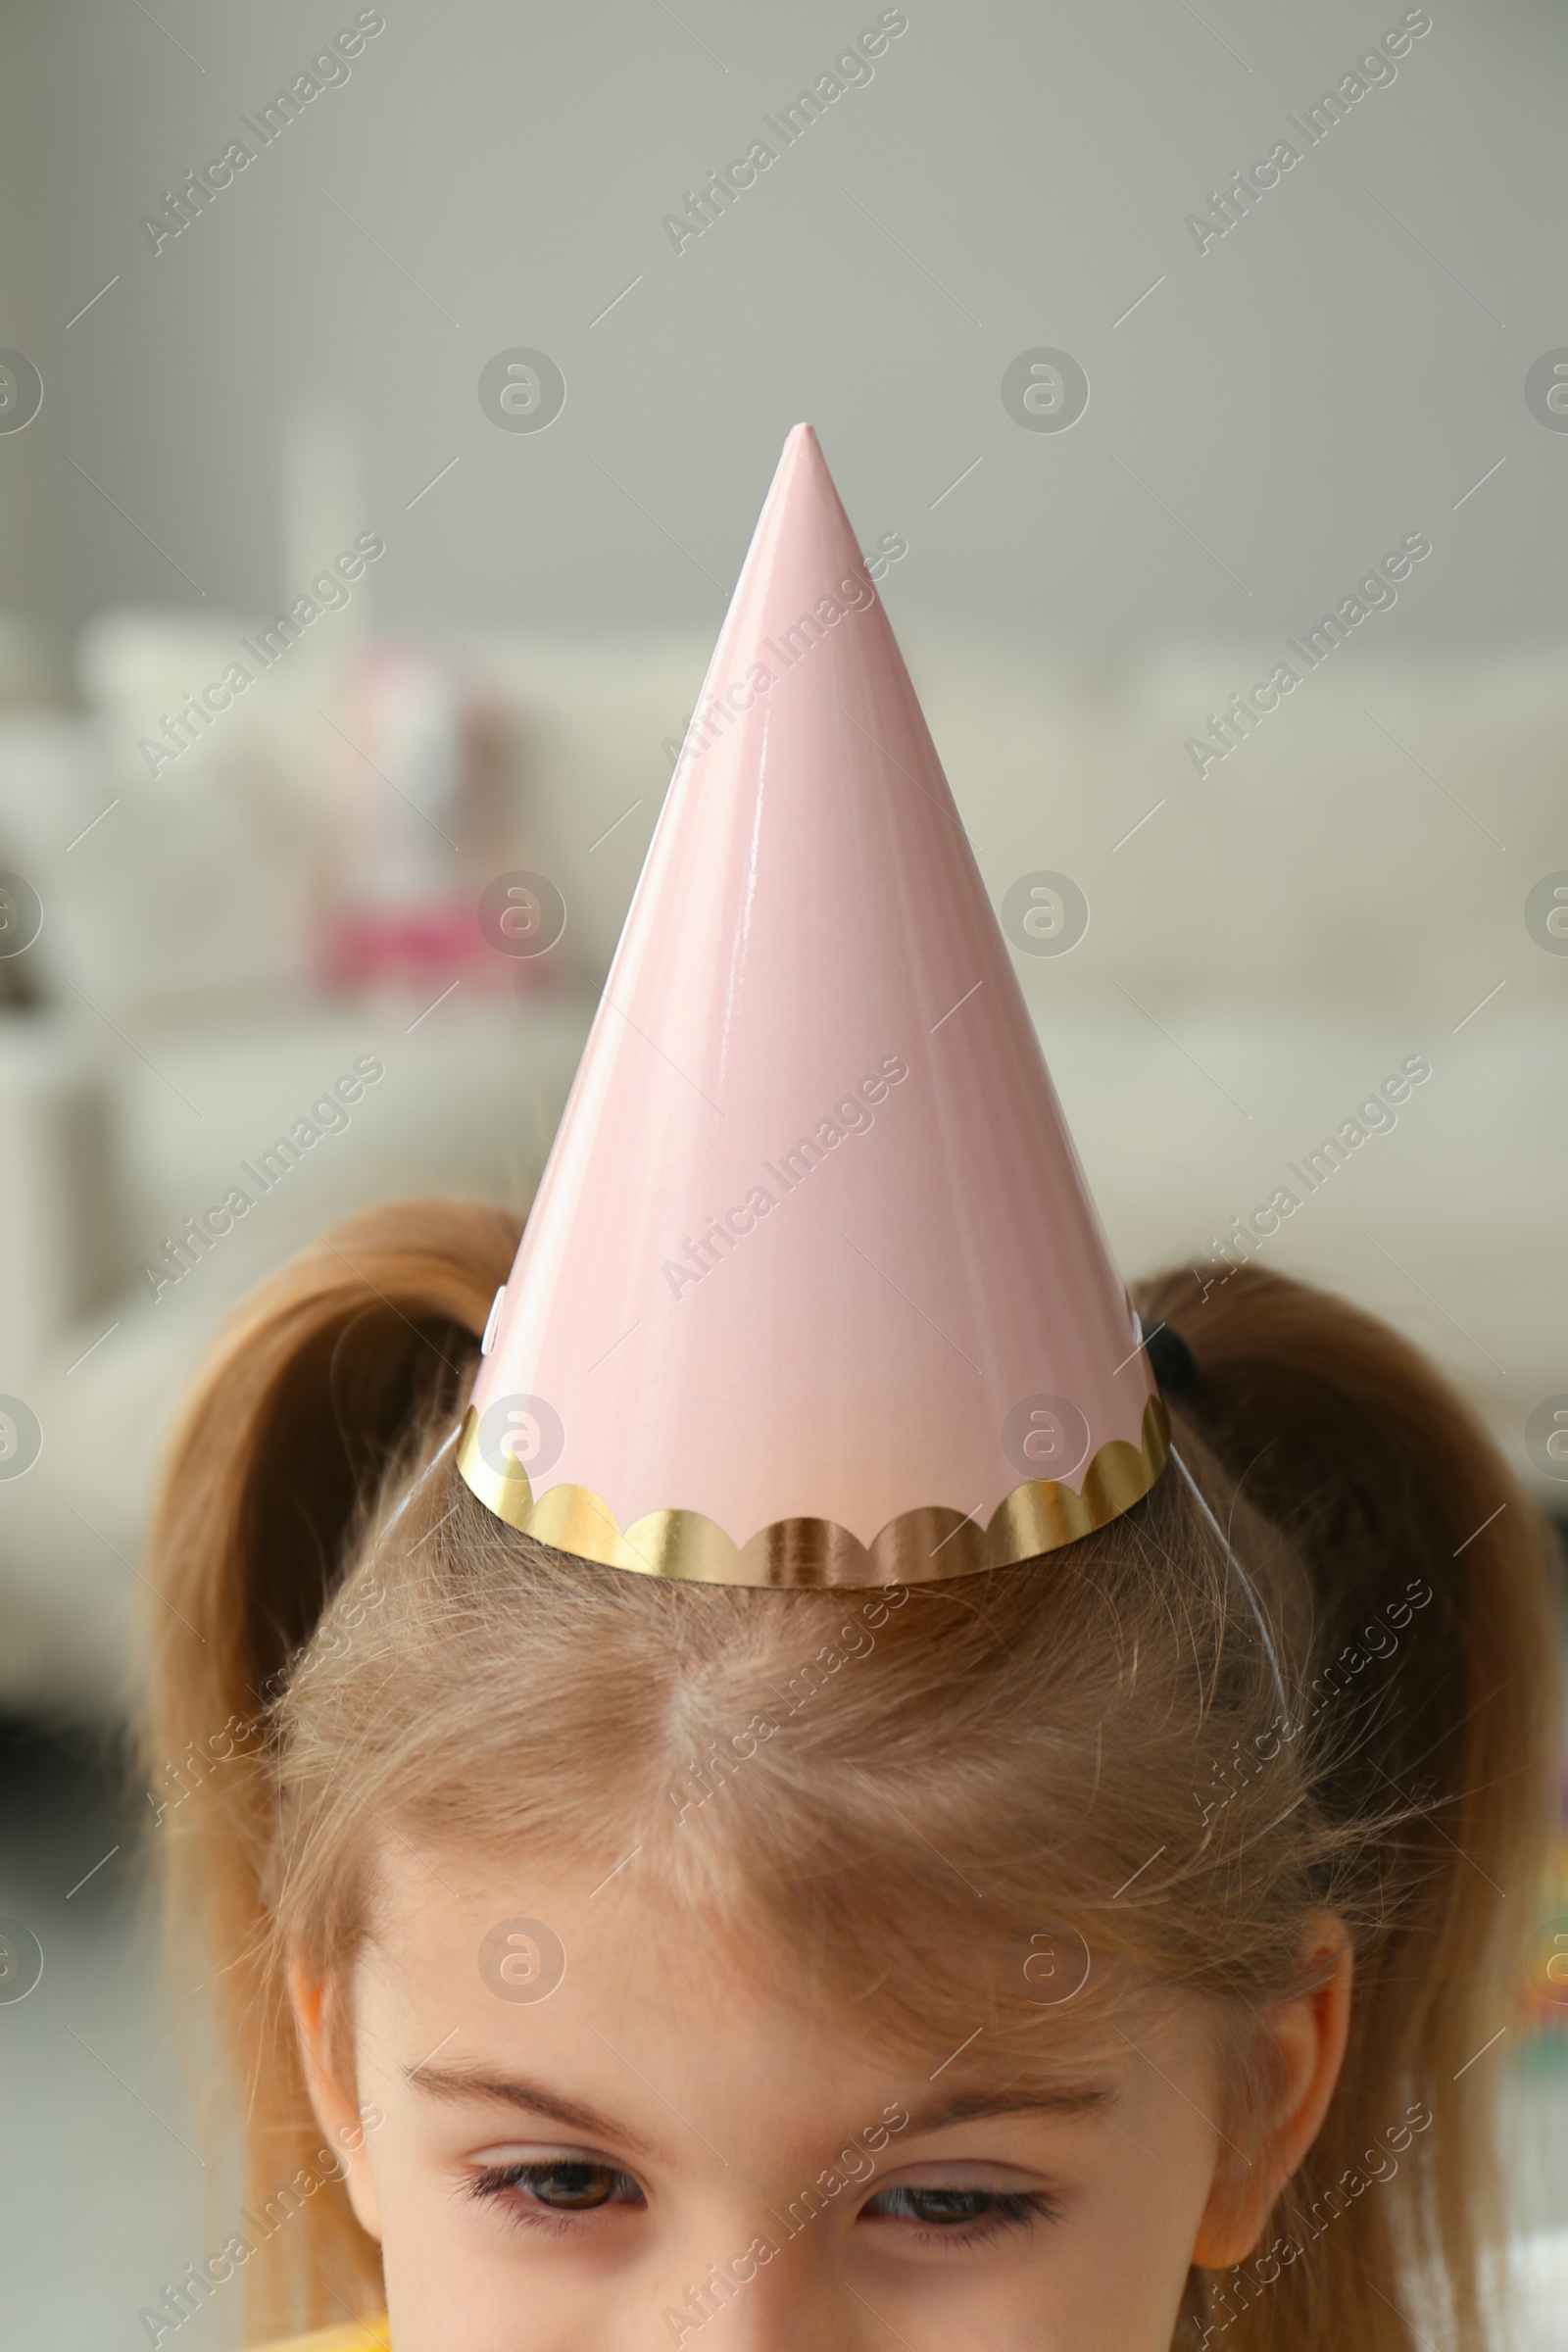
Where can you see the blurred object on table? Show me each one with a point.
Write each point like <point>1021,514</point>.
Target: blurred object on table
<point>423,813</point>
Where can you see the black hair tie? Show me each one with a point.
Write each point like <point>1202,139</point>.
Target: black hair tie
<point>1171,1359</point>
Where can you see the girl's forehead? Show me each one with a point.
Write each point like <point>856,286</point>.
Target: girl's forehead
<point>540,1920</point>
<point>549,1976</point>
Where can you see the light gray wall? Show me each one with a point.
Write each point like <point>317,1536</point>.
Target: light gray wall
<point>1322,380</point>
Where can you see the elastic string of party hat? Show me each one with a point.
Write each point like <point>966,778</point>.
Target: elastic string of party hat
<point>278,1684</point>
<point>1244,1581</point>
<point>430,1467</point>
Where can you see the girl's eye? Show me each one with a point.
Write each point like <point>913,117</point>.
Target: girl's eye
<point>962,2216</point>
<point>560,2186</point>
<point>574,2187</point>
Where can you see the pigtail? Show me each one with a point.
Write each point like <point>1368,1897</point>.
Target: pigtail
<point>1428,1716</point>
<point>334,1374</point>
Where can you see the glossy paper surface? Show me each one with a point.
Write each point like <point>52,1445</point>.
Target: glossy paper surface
<point>813,1242</point>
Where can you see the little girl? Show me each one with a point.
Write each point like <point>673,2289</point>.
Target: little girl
<point>798,1775</point>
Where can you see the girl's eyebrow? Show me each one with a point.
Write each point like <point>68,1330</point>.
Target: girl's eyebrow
<point>974,2106</point>
<point>452,2083</point>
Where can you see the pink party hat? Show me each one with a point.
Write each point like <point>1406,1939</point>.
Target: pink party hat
<point>813,1291</point>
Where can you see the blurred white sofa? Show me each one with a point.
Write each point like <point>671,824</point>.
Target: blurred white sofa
<point>1265,944</point>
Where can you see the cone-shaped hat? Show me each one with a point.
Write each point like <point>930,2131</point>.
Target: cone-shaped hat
<point>813,1291</point>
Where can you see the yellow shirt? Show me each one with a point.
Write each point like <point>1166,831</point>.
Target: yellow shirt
<point>371,2338</point>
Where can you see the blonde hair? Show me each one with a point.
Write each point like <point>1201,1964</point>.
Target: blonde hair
<point>1164,1746</point>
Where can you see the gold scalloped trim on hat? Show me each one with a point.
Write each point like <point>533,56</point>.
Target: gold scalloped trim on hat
<point>916,1548</point>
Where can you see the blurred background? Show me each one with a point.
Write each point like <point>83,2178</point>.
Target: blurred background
<point>386,398</point>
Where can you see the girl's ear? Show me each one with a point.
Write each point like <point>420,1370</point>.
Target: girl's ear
<point>336,2109</point>
<point>1306,2038</point>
